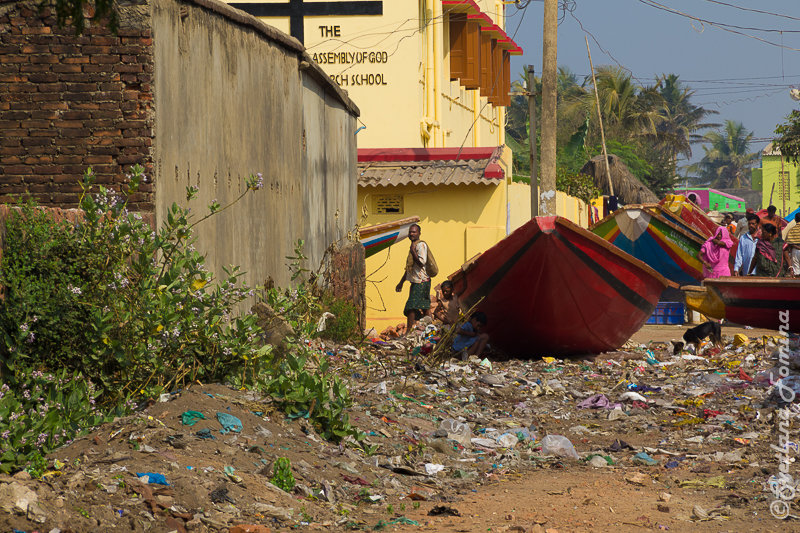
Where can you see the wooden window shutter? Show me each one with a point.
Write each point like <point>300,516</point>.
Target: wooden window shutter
<point>497,74</point>
<point>486,64</point>
<point>458,46</point>
<point>506,100</point>
<point>472,76</point>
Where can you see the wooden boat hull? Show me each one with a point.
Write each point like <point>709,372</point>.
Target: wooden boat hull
<point>679,209</point>
<point>381,236</point>
<point>704,301</point>
<point>642,232</point>
<point>759,302</point>
<point>553,288</point>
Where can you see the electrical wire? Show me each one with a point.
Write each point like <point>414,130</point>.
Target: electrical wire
<point>753,10</point>
<point>725,27</point>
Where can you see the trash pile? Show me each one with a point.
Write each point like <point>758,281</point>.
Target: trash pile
<point>212,458</point>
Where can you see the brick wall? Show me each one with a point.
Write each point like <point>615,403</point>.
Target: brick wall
<point>68,103</point>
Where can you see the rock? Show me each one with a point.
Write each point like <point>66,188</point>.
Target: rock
<point>636,478</point>
<point>15,498</point>
<point>249,528</point>
<point>22,475</point>
<point>271,511</point>
<point>490,379</point>
<point>664,497</point>
<point>37,513</point>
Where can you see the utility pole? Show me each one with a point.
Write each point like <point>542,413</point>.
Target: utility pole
<point>547,201</point>
<point>532,141</point>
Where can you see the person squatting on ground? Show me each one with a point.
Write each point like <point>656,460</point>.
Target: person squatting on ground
<point>448,306</point>
<point>470,337</point>
<point>419,296</point>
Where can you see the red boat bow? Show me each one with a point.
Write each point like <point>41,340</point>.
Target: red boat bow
<point>553,288</point>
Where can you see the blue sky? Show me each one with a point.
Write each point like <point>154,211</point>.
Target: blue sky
<point>745,79</point>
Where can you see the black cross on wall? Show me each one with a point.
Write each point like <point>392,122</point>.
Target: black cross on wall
<point>297,9</point>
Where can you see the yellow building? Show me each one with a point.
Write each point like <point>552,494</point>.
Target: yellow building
<point>431,78</point>
<point>394,59</point>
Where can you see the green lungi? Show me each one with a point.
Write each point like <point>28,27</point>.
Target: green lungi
<point>419,297</point>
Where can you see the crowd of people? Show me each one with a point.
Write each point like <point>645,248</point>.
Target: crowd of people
<point>766,247</point>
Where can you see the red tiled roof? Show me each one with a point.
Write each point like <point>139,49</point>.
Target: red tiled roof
<point>429,166</point>
<point>474,12</point>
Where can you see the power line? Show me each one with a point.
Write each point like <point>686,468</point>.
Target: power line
<point>724,27</point>
<point>753,10</point>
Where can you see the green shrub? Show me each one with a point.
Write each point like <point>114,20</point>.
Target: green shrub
<point>111,311</point>
<point>41,413</point>
<point>343,327</point>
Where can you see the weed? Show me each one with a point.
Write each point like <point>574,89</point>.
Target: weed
<point>343,327</point>
<point>282,474</point>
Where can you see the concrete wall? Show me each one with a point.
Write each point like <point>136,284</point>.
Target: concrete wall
<point>234,98</point>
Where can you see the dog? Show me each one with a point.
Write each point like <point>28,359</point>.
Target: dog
<point>708,330</point>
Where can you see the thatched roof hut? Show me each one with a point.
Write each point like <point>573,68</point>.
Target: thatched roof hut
<point>627,188</point>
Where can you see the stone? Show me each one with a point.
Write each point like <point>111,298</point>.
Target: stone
<point>271,511</point>
<point>15,498</point>
<point>249,528</point>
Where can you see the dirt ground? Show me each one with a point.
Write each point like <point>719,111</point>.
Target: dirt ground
<point>665,333</point>
<point>705,424</point>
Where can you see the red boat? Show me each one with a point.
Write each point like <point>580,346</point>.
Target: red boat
<point>554,288</point>
<point>759,302</point>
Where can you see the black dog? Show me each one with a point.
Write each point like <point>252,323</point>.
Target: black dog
<point>708,330</point>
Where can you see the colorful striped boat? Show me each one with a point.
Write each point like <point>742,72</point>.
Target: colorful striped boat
<point>381,236</point>
<point>677,209</point>
<point>643,231</point>
<point>772,303</point>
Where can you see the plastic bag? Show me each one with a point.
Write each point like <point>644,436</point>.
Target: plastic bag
<point>457,431</point>
<point>559,446</point>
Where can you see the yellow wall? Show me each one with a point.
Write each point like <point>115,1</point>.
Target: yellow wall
<point>458,222</point>
<point>406,58</point>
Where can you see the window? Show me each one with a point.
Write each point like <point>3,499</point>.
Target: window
<point>465,50</point>
<point>458,46</point>
<point>783,185</point>
<point>388,204</point>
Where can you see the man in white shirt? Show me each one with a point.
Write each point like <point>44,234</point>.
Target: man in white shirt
<point>747,247</point>
<point>419,297</point>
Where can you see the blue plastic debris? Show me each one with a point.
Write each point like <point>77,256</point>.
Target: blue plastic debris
<point>229,423</point>
<point>205,434</point>
<point>153,478</point>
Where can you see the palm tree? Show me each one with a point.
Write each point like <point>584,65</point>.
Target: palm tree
<point>682,120</point>
<point>628,111</point>
<point>727,161</point>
